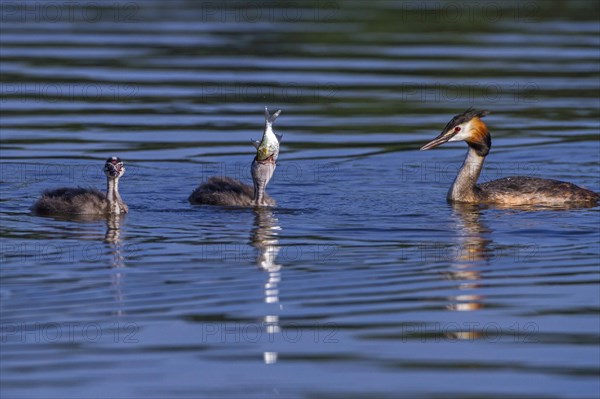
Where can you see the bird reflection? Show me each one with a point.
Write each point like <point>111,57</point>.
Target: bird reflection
<point>113,239</point>
<point>473,251</point>
<point>264,239</point>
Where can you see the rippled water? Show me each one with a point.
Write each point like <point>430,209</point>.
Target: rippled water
<point>364,281</point>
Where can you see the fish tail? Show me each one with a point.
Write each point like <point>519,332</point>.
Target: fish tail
<point>269,119</point>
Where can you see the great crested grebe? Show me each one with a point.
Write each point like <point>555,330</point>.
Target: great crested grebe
<point>86,201</point>
<point>514,190</point>
<point>225,191</point>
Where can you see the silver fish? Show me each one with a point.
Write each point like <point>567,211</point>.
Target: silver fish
<point>269,145</point>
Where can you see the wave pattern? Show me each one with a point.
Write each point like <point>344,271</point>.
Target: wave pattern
<point>364,281</point>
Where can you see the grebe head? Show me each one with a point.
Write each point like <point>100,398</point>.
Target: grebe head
<point>114,168</point>
<point>468,127</point>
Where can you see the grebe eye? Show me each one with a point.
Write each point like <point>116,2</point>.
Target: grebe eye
<point>457,129</point>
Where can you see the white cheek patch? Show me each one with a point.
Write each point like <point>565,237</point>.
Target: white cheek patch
<point>463,134</point>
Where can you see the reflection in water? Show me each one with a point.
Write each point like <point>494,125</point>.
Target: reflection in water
<point>472,252</point>
<point>264,239</point>
<point>113,239</point>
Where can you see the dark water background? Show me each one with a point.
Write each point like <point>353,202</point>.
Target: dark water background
<point>364,281</point>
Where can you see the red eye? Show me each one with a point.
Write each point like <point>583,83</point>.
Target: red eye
<point>457,129</point>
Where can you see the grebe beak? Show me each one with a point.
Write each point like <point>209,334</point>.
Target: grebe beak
<point>439,140</point>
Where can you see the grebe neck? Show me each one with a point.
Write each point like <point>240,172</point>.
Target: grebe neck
<point>262,172</point>
<point>112,195</point>
<point>464,188</point>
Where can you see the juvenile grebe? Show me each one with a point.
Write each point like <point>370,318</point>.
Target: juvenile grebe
<point>225,191</point>
<point>514,190</point>
<point>84,201</point>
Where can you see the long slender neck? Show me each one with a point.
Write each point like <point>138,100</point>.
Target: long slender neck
<point>260,184</point>
<point>112,195</point>
<point>259,192</point>
<point>465,188</point>
<point>261,174</point>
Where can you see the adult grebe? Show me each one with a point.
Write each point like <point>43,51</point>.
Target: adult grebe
<point>514,190</point>
<point>84,201</point>
<point>225,191</point>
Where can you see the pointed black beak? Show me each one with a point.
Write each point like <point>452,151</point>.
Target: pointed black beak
<point>439,140</point>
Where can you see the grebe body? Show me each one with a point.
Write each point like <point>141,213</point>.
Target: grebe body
<point>86,201</point>
<point>225,191</point>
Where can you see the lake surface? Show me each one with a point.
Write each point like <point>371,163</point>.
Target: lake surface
<point>364,282</point>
